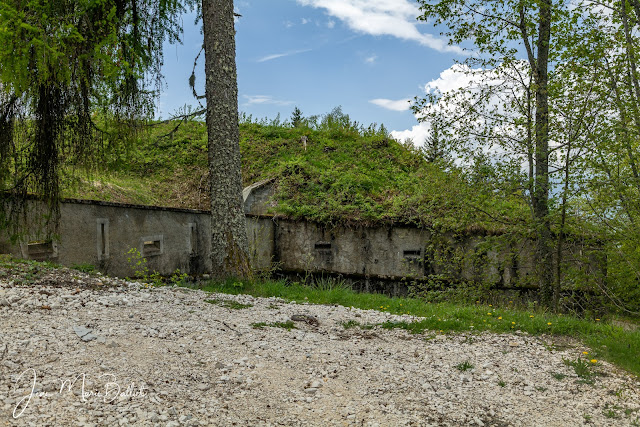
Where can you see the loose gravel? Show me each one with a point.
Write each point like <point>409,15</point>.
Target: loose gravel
<point>93,351</point>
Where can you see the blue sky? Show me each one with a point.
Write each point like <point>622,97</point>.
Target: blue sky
<point>368,56</point>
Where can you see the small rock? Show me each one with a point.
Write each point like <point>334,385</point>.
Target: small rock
<point>5,302</point>
<point>84,333</point>
<point>9,364</point>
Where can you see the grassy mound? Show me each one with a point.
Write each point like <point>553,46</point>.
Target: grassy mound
<point>341,175</point>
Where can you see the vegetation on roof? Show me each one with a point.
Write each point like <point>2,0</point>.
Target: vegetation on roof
<point>344,174</point>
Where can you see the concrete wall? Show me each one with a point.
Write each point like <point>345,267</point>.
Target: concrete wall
<point>104,234</point>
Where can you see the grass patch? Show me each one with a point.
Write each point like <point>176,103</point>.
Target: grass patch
<point>464,366</point>
<point>230,304</point>
<point>583,369</point>
<point>350,324</point>
<point>608,342</point>
<point>288,325</point>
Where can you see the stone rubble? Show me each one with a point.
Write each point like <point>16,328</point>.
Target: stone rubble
<point>74,352</point>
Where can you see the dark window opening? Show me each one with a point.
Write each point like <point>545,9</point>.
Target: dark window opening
<point>412,253</point>
<point>152,246</point>
<point>40,249</point>
<point>323,245</point>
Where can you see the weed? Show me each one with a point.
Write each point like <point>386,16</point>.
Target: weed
<point>350,324</point>
<point>502,383</point>
<point>558,376</point>
<point>178,278</point>
<point>288,325</point>
<point>583,370</point>
<point>84,267</point>
<point>610,412</point>
<point>230,304</point>
<point>464,366</point>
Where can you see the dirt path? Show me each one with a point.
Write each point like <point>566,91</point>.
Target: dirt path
<point>177,360</point>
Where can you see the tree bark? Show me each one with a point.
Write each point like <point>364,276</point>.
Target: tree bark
<point>544,248</point>
<point>229,245</point>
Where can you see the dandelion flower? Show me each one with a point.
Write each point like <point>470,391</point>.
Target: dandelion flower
<point>549,323</point>
<point>597,320</point>
<point>513,323</point>
<point>488,314</point>
<point>500,318</point>
<point>585,352</point>
<point>594,361</point>
<point>531,316</point>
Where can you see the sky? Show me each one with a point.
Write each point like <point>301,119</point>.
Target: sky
<point>371,57</point>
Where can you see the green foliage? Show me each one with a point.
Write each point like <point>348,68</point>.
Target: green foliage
<point>296,118</point>
<point>230,304</point>
<point>84,267</point>
<point>288,325</point>
<point>62,63</point>
<point>583,369</point>
<point>464,366</point>
<point>348,175</point>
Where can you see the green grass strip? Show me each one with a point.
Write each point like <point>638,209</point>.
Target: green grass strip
<point>607,342</point>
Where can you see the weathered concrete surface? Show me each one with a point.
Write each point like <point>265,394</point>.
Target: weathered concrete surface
<point>109,236</point>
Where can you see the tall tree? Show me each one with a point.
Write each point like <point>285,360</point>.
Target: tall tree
<point>502,32</point>
<point>229,243</point>
<point>62,61</point>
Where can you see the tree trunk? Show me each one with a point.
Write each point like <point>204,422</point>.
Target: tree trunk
<point>229,246</point>
<point>544,248</point>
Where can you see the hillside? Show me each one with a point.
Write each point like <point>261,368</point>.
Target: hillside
<point>342,175</point>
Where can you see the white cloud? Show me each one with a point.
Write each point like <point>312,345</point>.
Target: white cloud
<point>371,59</point>
<point>331,23</point>
<point>389,104</point>
<point>281,55</point>
<point>264,99</point>
<point>304,21</point>
<point>288,24</point>
<point>417,134</point>
<point>395,18</point>
<point>453,78</point>
<point>458,77</point>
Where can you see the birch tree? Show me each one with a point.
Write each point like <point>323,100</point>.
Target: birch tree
<point>502,32</point>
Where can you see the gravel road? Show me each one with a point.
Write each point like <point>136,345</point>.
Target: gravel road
<point>93,351</point>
